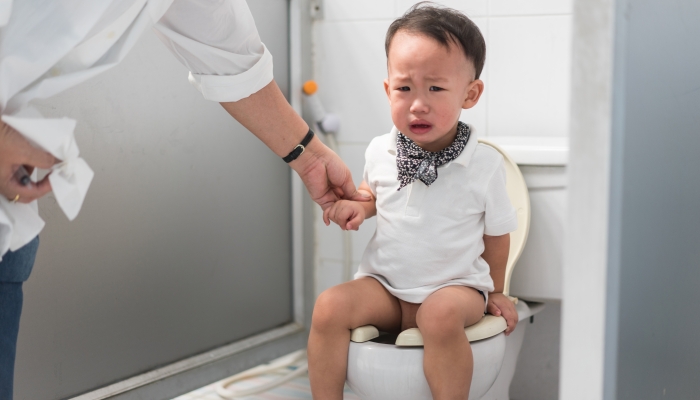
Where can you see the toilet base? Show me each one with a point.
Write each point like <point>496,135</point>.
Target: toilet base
<point>501,387</point>
<point>379,371</point>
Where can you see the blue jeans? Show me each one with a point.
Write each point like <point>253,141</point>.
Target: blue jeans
<point>15,268</point>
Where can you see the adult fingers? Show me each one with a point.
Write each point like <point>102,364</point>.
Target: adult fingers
<point>30,155</point>
<point>340,177</point>
<point>26,154</point>
<point>351,193</point>
<point>28,193</point>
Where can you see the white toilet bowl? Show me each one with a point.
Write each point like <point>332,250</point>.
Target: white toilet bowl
<point>384,371</point>
<point>381,370</point>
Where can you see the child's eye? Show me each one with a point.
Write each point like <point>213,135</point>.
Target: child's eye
<point>435,89</point>
<point>403,89</point>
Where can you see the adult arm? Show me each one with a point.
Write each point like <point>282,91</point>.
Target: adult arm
<point>219,44</point>
<point>267,114</point>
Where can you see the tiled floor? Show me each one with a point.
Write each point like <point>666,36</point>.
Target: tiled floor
<point>294,389</point>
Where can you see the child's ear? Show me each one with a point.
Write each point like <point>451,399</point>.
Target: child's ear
<point>474,91</point>
<point>386,89</point>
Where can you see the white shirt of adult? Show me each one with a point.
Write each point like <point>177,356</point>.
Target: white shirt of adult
<point>47,46</point>
<point>430,237</point>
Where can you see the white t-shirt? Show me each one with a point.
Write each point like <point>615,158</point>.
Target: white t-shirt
<point>431,237</point>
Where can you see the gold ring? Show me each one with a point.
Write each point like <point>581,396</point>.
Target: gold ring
<point>16,198</point>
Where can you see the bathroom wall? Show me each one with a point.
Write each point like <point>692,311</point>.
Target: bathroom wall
<point>526,78</point>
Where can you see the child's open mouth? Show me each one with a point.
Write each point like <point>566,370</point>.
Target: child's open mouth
<point>420,127</point>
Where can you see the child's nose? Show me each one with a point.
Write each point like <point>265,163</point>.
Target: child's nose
<point>419,105</point>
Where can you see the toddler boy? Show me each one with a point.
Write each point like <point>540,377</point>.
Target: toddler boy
<point>437,259</point>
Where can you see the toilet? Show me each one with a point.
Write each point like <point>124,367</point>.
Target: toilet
<point>386,367</point>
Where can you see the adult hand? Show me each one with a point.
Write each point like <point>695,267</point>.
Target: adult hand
<point>15,152</point>
<point>325,175</point>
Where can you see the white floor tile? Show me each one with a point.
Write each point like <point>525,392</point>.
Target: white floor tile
<point>297,389</point>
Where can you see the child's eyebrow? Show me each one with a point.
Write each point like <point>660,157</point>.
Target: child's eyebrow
<point>436,78</point>
<point>431,78</point>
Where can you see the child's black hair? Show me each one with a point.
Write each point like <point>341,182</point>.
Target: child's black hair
<point>445,25</point>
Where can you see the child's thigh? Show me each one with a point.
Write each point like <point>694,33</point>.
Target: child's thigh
<point>450,307</point>
<point>356,303</point>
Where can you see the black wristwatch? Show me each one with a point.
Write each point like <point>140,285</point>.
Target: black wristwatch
<point>299,149</point>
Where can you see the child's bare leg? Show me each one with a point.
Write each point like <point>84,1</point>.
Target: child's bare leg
<point>408,314</point>
<point>338,310</point>
<point>447,360</point>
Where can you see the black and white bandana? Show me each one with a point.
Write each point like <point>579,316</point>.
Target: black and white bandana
<point>415,163</point>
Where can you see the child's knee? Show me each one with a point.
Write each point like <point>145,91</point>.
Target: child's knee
<point>331,308</point>
<point>440,319</point>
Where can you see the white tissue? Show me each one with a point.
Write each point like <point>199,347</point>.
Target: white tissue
<point>69,179</point>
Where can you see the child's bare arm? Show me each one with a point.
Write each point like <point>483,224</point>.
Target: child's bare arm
<point>496,255</point>
<point>348,214</point>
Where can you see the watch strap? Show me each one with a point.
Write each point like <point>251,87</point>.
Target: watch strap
<point>299,149</point>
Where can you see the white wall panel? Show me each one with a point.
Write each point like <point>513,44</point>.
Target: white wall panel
<point>529,7</point>
<point>472,8</point>
<point>529,76</point>
<point>347,10</point>
<point>351,68</point>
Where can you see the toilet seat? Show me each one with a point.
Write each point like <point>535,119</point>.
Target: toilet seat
<point>489,325</point>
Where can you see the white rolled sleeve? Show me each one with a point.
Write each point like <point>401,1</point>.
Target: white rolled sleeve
<point>219,43</point>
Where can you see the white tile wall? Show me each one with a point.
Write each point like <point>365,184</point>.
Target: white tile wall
<point>354,10</point>
<point>529,7</point>
<point>350,70</point>
<point>529,63</point>
<point>472,8</point>
<point>477,116</point>
<point>328,273</point>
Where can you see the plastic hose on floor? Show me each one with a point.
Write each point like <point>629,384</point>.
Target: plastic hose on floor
<point>298,359</point>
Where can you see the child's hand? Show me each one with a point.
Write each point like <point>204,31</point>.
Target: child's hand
<point>500,304</point>
<point>349,215</point>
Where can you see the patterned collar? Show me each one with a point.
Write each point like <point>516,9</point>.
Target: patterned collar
<point>414,163</point>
